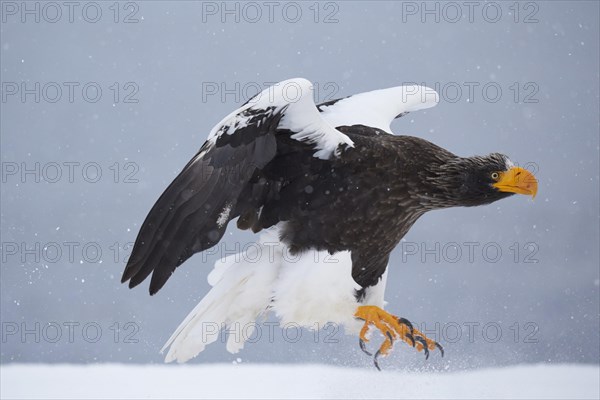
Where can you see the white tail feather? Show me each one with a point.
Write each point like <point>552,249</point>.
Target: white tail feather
<point>308,289</point>
<point>242,289</point>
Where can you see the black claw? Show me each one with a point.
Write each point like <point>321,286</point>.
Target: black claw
<point>439,346</point>
<point>375,361</point>
<point>389,335</point>
<point>407,323</point>
<point>424,343</point>
<point>363,347</point>
<point>412,339</point>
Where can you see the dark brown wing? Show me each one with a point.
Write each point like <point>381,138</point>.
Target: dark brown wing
<point>214,187</point>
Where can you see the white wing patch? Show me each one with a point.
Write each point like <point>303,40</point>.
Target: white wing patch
<point>293,99</point>
<point>379,108</point>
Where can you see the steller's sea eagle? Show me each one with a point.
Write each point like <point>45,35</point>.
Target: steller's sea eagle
<point>332,189</point>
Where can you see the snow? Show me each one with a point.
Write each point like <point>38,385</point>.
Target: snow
<point>224,216</point>
<point>70,381</point>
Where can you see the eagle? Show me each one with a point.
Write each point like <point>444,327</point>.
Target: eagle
<point>332,191</point>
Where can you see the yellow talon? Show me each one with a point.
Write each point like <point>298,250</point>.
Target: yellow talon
<point>392,328</point>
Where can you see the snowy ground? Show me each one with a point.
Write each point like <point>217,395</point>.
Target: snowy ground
<point>284,381</point>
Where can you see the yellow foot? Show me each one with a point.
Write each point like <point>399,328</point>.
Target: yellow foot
<point>392,328</point>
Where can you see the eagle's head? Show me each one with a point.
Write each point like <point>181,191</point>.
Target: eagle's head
<point>473,181</point>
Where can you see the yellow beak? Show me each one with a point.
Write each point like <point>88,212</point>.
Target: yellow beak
<point>517,180</point>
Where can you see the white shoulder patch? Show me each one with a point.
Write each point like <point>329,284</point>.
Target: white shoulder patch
<point>293,100</point>
<point>379,108</point>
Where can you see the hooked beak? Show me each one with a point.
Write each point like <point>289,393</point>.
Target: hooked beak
<point>517,180</point>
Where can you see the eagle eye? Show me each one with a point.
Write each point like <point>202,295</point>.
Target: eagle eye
<point>495,176</point>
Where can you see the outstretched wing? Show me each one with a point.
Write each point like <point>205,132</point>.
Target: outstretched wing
<point>193,212</point>
<point>378,108</point>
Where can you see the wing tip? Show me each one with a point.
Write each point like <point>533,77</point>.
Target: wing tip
<point>136,278</point>
<point>419,97</point>
<point>128,273</point>
<point>154,289</point>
